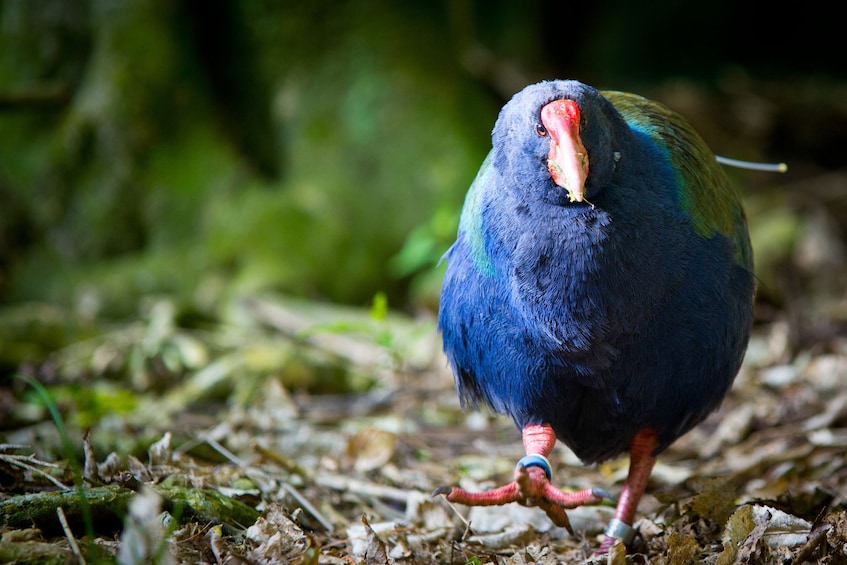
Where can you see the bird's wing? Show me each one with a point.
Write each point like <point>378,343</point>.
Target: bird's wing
<point>470,222</point>
<point>705,192</point>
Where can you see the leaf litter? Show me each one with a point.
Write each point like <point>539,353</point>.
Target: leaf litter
<point>283,473</point>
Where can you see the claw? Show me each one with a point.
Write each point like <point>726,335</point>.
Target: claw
<point>441,490</point>
<point>601,493</point>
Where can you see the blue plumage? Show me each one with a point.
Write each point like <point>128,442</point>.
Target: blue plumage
<point>629,310</point>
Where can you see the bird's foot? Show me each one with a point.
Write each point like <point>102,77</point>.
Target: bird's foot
<point>531,487</point>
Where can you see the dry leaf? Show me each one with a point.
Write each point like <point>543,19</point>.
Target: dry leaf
<point>370,449</point>
<point>160,452</point>
<point>681,549</point>
<point>509,537</point>
<point>750,550</point>
<point>277,538</point>
<point>375,553</point>
<point>739,525</point>
<point>754,531</point>
<point>143,538</point>
<point>836,537</point>
<point>617,554</point>
<point>425,511</point>
<point>716,499</point>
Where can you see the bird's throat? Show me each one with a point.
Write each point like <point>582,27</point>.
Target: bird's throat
<point>567,160</point>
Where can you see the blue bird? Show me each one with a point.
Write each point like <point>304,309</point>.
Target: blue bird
<point>600,290</point>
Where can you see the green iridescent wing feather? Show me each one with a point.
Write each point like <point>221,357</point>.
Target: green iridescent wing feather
<point>705,191</point>
<point>470,222</point>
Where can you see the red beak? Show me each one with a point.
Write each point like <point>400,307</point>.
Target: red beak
<point>568,159</point>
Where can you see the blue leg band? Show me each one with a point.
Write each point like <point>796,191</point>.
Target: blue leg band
<point>536,461</point>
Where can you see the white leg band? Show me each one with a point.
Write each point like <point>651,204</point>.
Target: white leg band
<point>621,531</point>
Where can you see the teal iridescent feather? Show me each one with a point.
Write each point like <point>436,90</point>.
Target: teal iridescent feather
<point>470,222</point>
<point>704,190</point>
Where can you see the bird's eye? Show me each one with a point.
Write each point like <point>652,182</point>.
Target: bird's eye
<point>583,122</point>
<point>540,130</point>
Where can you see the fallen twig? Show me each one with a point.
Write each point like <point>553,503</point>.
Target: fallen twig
<point>69,535</point>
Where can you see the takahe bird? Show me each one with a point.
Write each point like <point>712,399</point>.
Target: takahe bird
<point>600,290</point>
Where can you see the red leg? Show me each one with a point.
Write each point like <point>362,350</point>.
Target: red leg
<point>641,461</point>
<point>531,486</point>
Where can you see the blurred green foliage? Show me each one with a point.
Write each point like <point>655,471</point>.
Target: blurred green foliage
<point>202,150</point>
<point>286,159</point>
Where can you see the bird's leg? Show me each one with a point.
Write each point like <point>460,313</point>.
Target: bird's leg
<point>641,461</point>
<point>532,486</point>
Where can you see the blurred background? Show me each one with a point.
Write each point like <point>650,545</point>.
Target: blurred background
<point>201,150</point>
<point>221,220</point>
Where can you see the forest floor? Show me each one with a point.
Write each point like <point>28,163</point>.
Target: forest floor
<point>217,449</point>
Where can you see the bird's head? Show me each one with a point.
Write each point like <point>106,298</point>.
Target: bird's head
<point>559,135</point>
